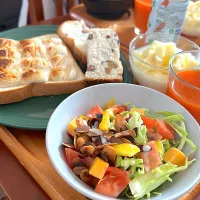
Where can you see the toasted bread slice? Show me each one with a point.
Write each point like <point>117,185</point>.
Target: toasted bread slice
<point>37,67</point>
<point>75,34</point>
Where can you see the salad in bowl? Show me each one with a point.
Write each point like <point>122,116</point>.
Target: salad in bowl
<point>124,151</point>
<point>107,149</point>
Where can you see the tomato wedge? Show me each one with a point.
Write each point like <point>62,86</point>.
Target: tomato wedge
<point>70,155</point>
<point>165,130</point>
<point>94,111</point>
<point>113,183</point>
<point>118,108</point>
<point>148,122</point>
<point>152,158</point>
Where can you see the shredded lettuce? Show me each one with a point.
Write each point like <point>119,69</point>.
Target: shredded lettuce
<point>166,145</point>
<point>150,115</point>
<point>135,166</point>
<point>141,137</point>
<point>125,113</point>
<point>145,109</point>
<point>174,118</point>
<point>180,130</point>
<point>175,143</point>
<point>118,161</point>
<point>166,113</point>
<point>182,143</point>
<point>142,185</point>
<point>112,125</point>
<point>135,121</point>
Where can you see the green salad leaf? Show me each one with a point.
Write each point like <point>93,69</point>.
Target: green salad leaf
<point>166,113</point>
<point>135,166</point>
<point>180,130</point>
<point>143,184</point>
<point>150,115</point>
<point>141,137</point>
<point>174,118</point>
<point>166,145</point>
<point>112,125</point>
<point>135,121</point>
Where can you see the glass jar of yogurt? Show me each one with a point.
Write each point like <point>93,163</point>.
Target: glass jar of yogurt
<point>149,58</point>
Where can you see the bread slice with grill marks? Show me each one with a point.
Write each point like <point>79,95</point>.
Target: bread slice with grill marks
<point>37,67</point>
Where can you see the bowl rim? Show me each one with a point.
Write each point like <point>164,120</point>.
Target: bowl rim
<point>177,76</point>
<point>92,194</point>
<point>154,34</point>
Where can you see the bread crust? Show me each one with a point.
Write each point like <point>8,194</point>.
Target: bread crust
<point>91,82</point>
<point>69,41</point>
<point>20,93</point>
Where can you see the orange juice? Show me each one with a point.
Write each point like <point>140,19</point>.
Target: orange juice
<point>142,12</point>
<point>186,94</point>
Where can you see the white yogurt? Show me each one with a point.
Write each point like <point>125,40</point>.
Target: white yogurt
<point>150,64</point>
<point>191,24</point>
<point>154,74</point>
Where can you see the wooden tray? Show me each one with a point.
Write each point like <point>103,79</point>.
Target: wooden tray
<point>29,148</point>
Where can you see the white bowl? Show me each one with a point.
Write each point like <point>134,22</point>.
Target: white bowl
<point>81,101</point>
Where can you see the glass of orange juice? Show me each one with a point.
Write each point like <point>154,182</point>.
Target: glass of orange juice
<point>142,12</point>
<point>184,83</point>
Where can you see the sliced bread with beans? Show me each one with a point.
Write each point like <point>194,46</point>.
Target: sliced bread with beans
<point>103,57</point>
<point>97,48</point>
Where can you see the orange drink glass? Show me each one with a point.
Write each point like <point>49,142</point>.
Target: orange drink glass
<point>142,12</point>
<point>184,85</point>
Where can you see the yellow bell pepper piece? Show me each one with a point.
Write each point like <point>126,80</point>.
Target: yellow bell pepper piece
<point>109,104</point>
<point>105,122</point>
<point>160,147</point>
<point>111,114</point>
<point>98,168</point>
<point>128,150</point>
<point>139,110</point>
<point>72,126</point>
<point>175,156</point>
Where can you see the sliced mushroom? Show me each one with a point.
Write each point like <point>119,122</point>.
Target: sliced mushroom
<point>115,140</point>
<point>85,176</point>
<point>126,133</point>
<point>110,153</point>
<point>80,143</point>
<point>75,140</point>
<point>103,156</point>
<point>112,131</point>
<point>82,129</point>
<point>108,135</point>
<point>79,121</point>
<point>97,131</point>
<point>85,137</point>
<point>91,122</point>
<point>153,135</point>
<point>120,123</point>
<point>124,140</point>
<point>77,162</point>
<point>97,151</point>
<point>88,150</point>
<point>71,146</point>
<point>78,170</point>
<point>97,142</point>
<point>91,134</point>
<point>108,144</point>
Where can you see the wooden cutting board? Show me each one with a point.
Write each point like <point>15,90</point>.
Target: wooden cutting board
<point>29,148</point>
